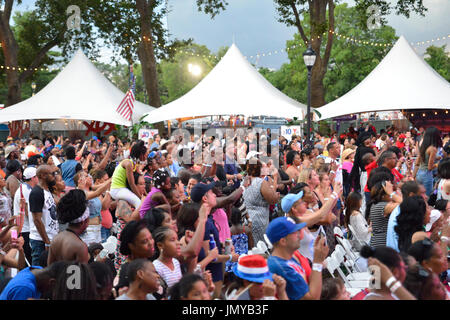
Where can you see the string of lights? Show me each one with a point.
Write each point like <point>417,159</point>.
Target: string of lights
<point>257,55</point>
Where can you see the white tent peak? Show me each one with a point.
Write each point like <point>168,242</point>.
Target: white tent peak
<point>233,87</point>
<point>79,92</point>
<point>402,80</point>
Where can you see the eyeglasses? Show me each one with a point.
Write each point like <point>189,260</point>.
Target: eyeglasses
<point>54,173</point>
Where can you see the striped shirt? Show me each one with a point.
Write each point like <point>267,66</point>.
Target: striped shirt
<point>170,276</point>
<point>379,225</point>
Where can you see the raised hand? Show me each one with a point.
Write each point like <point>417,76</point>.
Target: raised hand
<point>320,250</point>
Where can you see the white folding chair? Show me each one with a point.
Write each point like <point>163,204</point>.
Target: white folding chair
<point>350,265</point>
<point>351,255</point>
<point>334,262</point>
<point>360,241</point>
<point>338,232</point>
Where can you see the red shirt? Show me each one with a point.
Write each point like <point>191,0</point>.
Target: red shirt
<point>369,168</point>
<point>305,265</point>
<point>397,175</point>
<point>400,145</point>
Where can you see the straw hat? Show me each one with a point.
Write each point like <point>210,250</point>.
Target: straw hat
<point>346,153</point>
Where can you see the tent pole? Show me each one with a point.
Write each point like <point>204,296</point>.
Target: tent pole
<point>40,130</point>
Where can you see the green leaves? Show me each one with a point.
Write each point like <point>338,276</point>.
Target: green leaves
<point>349,63</point>
<point>438,59</point>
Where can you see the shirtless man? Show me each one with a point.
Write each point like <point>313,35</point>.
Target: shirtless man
<point>67,245</point>
<point>293,162</point>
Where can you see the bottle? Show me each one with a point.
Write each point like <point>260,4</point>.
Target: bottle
<point>228,243</point>
<point>212,243</point>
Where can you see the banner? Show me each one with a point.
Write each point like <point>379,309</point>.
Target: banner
<point>146,134</point>
<point>289,131</point>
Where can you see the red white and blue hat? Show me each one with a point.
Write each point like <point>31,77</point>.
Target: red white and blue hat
<point>252,268</point>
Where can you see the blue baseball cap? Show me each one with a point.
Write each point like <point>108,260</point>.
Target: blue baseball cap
<point>200,189</point>
<point>288,201</point>
<point>281,227</point>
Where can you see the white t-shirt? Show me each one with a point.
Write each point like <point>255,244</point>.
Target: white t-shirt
<point>170,276</point>
<point>42,201</point>
<point>26,190</point>
<point>338,177</point>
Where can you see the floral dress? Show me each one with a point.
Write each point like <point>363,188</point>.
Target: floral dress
<point>120,258</point>
<point>258,209</point>
<point>240,243</point>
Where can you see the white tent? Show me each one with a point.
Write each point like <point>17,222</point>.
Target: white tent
<point>402,80</point>
<point>78,92</point>
<point>233,87</point>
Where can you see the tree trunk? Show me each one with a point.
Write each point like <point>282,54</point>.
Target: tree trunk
<point>146,55</point>
<point>10,51</point>
<point>319,25</point>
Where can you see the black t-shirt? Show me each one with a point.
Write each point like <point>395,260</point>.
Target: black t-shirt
<point>215,268</point>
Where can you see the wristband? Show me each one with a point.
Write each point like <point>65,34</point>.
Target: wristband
<point>317,267</point>
<point>392,194</point>
<point>395,287</point>
<point>47,244</point>
<point>390,281</point>
<point>332,171</point>
<point>231,257</point>
<point>269,298</point>
<point>326,199</point>
<point>444,238</point>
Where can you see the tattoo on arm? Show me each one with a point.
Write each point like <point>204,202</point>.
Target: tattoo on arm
<point>123,209</point>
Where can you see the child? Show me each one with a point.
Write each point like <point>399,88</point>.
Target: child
<point>334,289</point>
<point>167,266</point>
<point>241,235</point>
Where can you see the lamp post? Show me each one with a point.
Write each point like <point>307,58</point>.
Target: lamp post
<point>309,56</point>
<point>33,87</point>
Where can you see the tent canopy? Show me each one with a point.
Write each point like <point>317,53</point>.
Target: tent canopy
<point>402,80</point>
<point>233,87</point>
<point>80,92</point>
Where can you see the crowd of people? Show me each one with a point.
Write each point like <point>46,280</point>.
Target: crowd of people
<point>137,220</point>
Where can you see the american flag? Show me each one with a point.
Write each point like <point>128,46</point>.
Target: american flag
<point>126,107</point>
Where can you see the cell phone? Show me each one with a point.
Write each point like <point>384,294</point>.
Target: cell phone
<point>322,233</point>
<point>13,234</point>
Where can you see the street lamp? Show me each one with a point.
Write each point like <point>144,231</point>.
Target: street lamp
<point>33,87</point>
<point>309,56</point>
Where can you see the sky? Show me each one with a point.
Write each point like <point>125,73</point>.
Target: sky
<point>252,25</point>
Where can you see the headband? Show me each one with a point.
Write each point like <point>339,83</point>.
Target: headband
<point>82,218</point>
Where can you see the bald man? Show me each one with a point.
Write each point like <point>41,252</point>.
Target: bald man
<point>43,223</point>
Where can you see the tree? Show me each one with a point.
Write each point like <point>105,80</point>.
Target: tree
<point>39,32</point>
<point>135,29</point>
<point>322,21</point>
<point>439,60</point>
<point>349,62</point>
<point>175,75</point>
